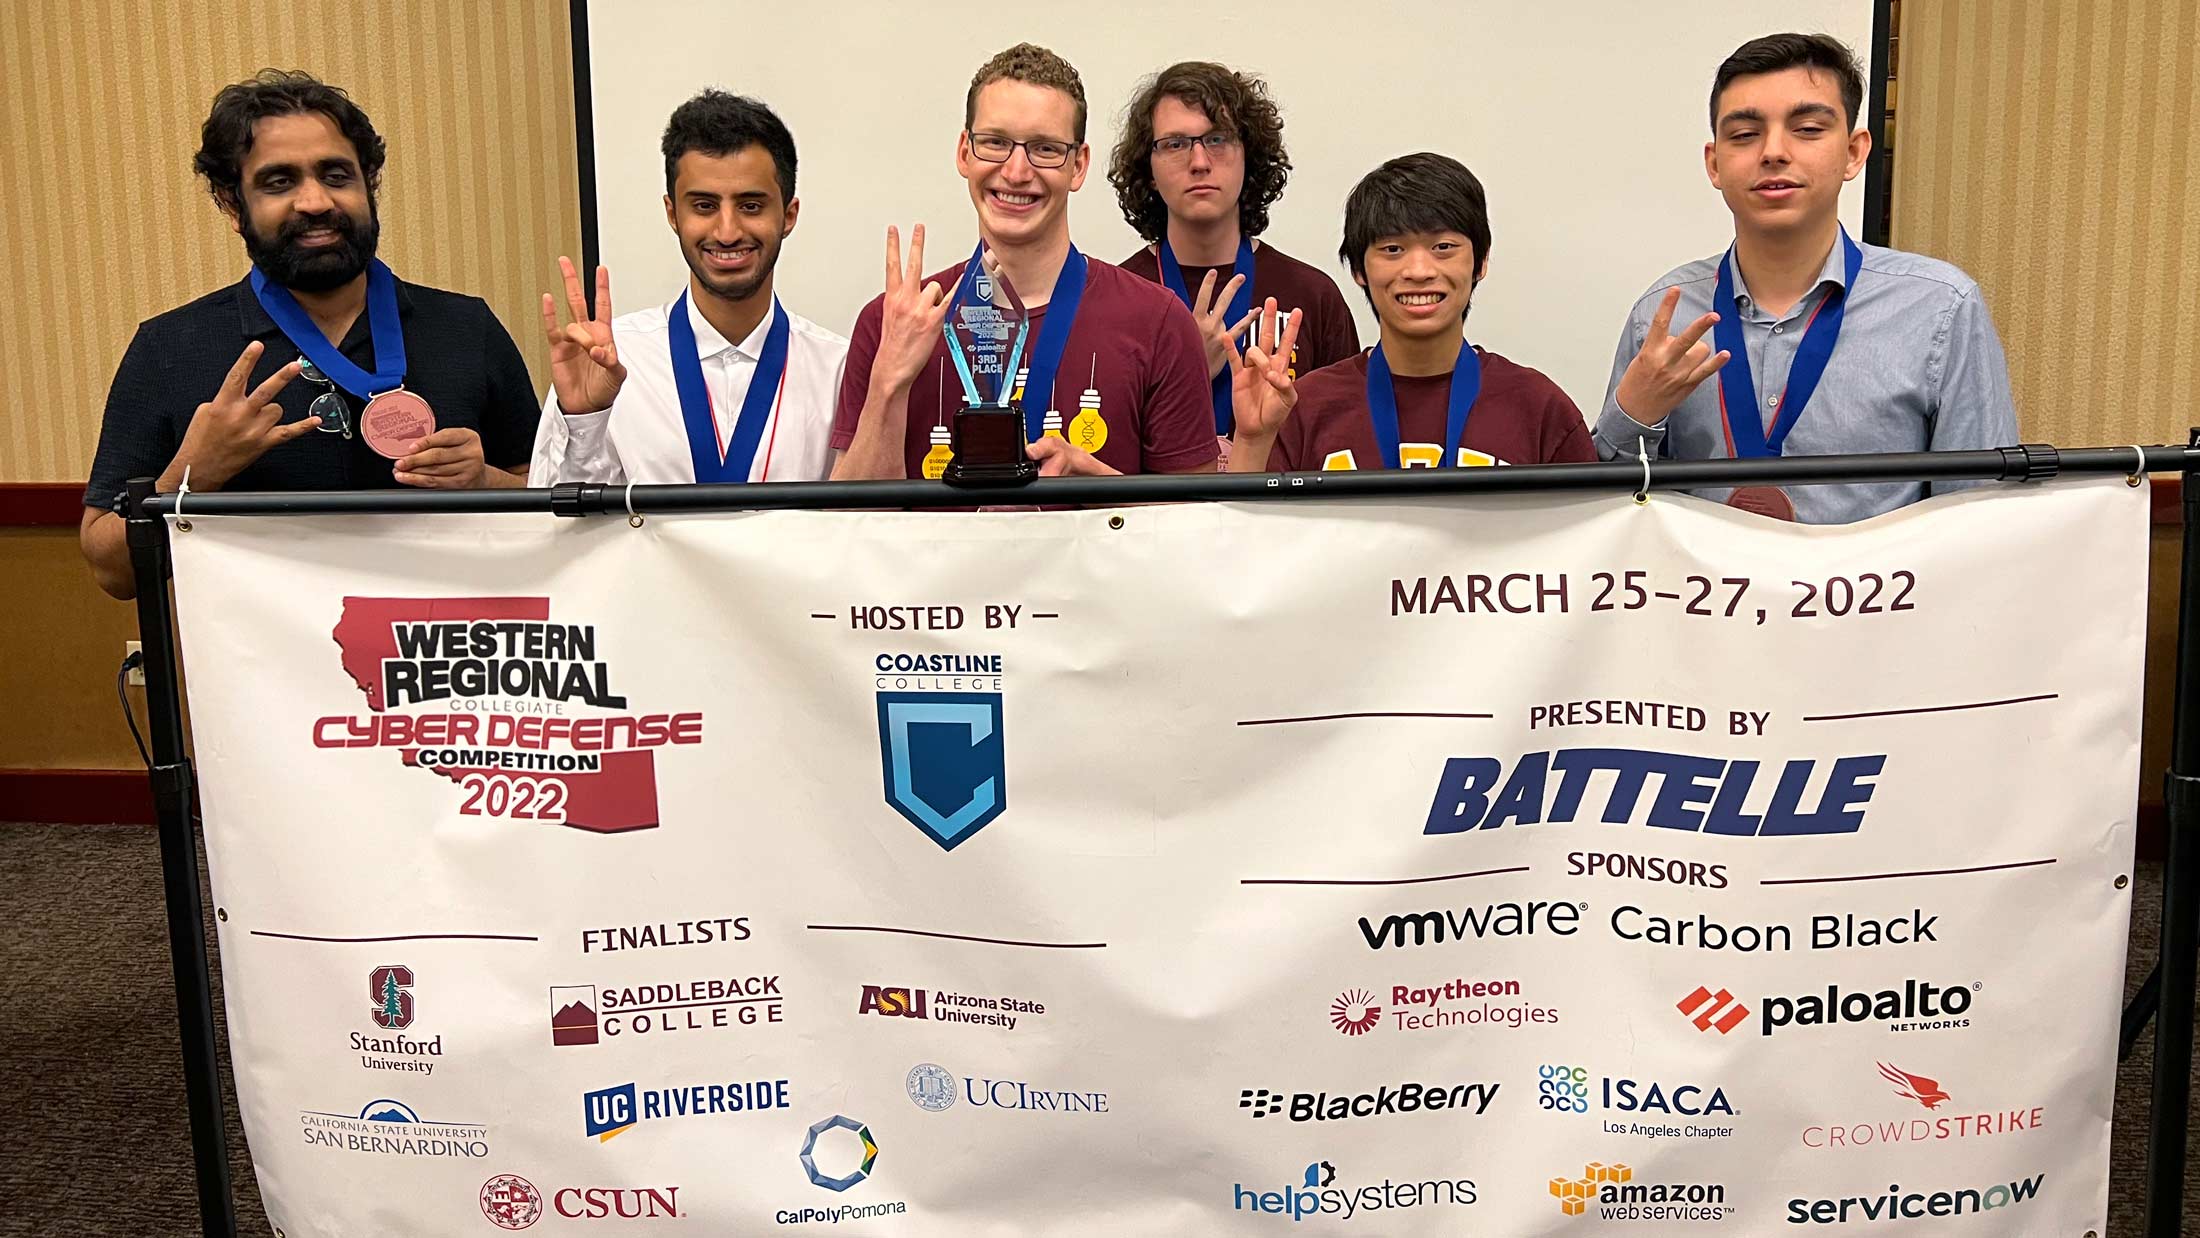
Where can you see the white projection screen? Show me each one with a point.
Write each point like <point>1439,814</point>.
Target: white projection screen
<point>1584,119</point>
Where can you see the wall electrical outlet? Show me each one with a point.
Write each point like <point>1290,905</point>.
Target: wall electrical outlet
<point>136,678</point>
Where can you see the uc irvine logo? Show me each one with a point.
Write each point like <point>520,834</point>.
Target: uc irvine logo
<point>941,750</point>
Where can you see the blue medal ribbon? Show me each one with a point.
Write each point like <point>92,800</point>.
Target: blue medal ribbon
<point>695,411</point>
<point>1241,304</point>
<point>382,326</point>
<point>1382,404</point>
<point>1738,387</point>
<point>1046,358</point>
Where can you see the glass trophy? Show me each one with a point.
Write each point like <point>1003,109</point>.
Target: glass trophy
<point>987,327</point>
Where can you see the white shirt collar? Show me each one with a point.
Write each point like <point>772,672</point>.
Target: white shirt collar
<point>708,343</point>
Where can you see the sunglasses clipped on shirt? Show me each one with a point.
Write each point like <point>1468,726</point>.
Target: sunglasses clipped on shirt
<point>329,406</point>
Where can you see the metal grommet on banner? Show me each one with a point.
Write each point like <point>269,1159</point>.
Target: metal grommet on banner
<point>183,491</point>
<point>1115,522</point>
<point>632,520</point>
<point>2139,473</point>
<point>1642,453</point>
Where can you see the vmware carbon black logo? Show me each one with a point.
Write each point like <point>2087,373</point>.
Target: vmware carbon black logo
<point>1385,1101</point>
<point>939,741</point>
<point>1317,1195</point>
<point>1707,795</point>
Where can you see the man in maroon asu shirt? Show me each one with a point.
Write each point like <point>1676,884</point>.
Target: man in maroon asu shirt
<point>1200,162</point>
<point>1417,236</point>
<point>1114,382</point>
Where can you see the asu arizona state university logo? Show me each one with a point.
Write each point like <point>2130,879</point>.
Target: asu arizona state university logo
<point>939,741</point>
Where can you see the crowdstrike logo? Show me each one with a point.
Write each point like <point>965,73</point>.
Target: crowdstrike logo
<point>1708,1010</point>
<point>1870,1130</point>
<point>1384,1101</point>
<point>1317,1195</point>
<point>1926,1092</point>
<point>1900,1205</point>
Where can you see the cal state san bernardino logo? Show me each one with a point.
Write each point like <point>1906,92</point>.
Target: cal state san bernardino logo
<point>513,706</point>
<point>940,743</point>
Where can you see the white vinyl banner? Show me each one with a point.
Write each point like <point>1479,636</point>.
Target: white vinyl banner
<point>1519,866</point>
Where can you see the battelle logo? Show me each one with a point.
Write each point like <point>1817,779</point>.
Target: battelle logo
<point>579,1011</point>
<point>394,1009</point>
<point>392,1128</point>
<point>1616,1196</point>
<point>1316,1196</point>
<point>1900,1205</point>
<point>1930,1095</point>
<point>1709,1010</point>
<point>1475,793</point>
<point>1382,1102</point>
<point>939,741</point>
<point>609,1112</point>
<point>1454,1003</point>
<point>932,1088</point>
<point>1574,1089</point>
<point>947,1006</point>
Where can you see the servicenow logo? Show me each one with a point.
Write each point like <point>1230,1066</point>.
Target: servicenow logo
<point>1900,1205</point>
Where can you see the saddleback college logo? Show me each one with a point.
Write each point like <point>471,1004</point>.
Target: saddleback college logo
<point>939,741</point>
<point>517,710</point>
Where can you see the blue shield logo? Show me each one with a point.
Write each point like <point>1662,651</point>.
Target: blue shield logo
<point>941,753</point>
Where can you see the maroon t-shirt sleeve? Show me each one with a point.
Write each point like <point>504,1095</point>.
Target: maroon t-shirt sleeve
<point>1336,336</point>
<point>1565,435</point>
<point>855,381</point>
<point>1180,414</point>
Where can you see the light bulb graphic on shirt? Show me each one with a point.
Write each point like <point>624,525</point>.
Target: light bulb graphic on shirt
<point>1086,429</point>
<point>936,460</point>
<point>1051,427</point>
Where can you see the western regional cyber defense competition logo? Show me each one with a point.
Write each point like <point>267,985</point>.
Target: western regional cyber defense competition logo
<point>519,711</point>
<point>940,743</point>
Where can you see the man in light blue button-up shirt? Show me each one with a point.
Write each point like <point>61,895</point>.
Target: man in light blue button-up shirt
<point>1917,366</point>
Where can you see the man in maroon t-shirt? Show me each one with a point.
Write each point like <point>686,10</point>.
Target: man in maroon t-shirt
<point>1129,390</point>
<point>1417,236</point>
<point>1200,162</point>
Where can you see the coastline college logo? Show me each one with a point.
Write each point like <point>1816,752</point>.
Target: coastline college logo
<point>826,1126</point>
<point>939,741</point>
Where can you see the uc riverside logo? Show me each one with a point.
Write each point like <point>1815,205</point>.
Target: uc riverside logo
<point>939,741</point>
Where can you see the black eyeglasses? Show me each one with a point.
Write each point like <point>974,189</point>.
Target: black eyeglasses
<point>329,406</point>
<point>1178,147</point>
<point>1043,153</point>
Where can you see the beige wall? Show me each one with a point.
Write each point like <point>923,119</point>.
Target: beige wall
<point>105,225</point>
<point>2052,149</point>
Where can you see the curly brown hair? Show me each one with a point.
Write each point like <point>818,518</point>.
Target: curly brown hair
<point>1031,63</point>
<point>1232,100</point>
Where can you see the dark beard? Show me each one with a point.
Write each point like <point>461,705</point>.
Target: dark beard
<point>320,268</point>
<point>740,287</point>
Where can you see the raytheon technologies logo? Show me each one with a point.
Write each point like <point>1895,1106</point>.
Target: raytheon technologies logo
<point>518,710</point>
<point>939,741</point>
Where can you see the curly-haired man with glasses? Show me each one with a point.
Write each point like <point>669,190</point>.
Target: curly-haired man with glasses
<point>1200,162</point>
<point>1113,357</point>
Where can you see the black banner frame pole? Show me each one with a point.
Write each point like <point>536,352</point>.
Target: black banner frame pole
<point>172,781</point>
<point>2180,946</point>
<point>179,863</point>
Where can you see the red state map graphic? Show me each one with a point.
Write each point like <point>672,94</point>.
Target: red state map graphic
<point>621,796</point>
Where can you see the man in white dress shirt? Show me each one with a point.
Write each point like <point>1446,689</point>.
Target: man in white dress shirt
<point>722,384</point>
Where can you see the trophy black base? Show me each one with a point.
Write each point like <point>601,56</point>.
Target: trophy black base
<point>989,448</point>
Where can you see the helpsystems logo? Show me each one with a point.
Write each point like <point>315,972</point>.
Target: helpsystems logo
<point>1317,1195</point>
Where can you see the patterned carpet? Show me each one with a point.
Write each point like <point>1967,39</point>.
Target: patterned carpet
<point>95,1141</point>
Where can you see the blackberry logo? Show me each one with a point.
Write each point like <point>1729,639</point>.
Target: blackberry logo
<point>1387,1100</point>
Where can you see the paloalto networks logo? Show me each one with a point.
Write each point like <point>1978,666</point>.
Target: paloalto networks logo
<point>941,749</point>
<point>517,710</point>
<point>1317,1195</point>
